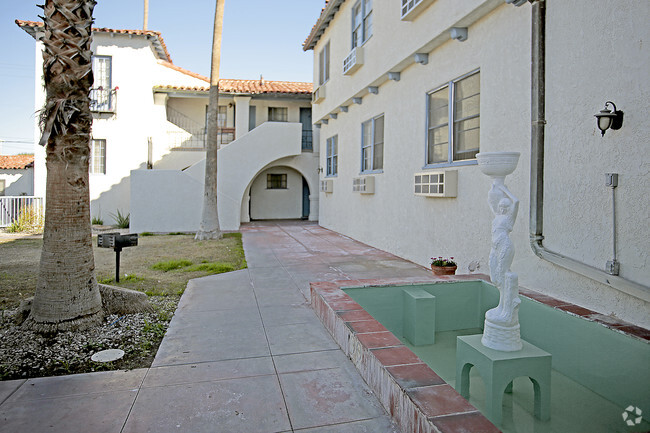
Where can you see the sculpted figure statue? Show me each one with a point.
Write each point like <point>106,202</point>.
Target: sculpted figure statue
<point>505,206</point>
<point>501,331</point>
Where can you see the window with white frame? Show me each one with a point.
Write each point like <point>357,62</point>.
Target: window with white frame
<point>453,120</point>
<point>361,22</point>
<point>278,114</point>
<point>101,95</point>
<point>324,64</point>
<point>332,156</point>
<point>98,156</point>
<point>372,144</point>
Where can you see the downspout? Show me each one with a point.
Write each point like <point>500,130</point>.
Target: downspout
<point>538,93</point>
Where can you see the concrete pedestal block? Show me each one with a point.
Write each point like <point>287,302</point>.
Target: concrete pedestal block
<point>419,316</point>
<point>498,369</point>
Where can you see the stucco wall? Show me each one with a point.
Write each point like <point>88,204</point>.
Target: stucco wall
<point>127,131</point>
<point>276,203</point>
<point>165,201</point>
<point>239,164</point>
<point>579,80</point>
<point>18,182</point>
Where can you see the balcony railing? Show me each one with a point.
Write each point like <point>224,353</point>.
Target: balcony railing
<point>103,100</point>
<point>307,143</point>
<point>187,140</point>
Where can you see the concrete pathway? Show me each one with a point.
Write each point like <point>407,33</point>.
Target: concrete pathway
<point>243,353</point>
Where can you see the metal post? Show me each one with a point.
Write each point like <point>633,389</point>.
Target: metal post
<point>117,264</point>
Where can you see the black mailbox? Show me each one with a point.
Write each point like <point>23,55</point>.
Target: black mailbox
<point>117,242</point>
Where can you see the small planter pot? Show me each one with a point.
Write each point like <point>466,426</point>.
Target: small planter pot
<point>443,270</point>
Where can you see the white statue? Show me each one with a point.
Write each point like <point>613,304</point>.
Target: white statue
<point>501,330</point>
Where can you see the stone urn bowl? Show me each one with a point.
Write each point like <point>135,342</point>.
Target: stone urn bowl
<point>497,164</point>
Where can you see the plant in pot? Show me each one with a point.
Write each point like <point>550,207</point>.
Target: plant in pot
<point>443,266</point>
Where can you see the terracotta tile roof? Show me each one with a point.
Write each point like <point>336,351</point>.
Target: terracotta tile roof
<point>251,87</point>
<point>326,15</point>
<point>32,27</point>
<point>16,162</point>
<point>248,87</point>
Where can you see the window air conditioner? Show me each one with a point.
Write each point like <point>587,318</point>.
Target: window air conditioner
<point>327,185</point>
<point>436,183</point>
<point>364,185</point>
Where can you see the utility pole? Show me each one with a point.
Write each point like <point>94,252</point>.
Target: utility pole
<point>146,15</point>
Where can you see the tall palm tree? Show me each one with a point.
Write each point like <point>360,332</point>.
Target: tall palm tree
<point>209,227</point>
<point>67,295</point>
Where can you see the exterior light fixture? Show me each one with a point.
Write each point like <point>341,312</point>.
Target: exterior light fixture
<point>608,119</point>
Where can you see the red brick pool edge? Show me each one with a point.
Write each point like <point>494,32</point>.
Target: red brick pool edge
<point>412,393</point>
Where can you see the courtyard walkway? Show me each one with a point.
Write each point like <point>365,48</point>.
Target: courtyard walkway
<point>243,353</point>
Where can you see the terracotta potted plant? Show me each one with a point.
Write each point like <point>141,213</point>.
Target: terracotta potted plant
<point>443,266</point>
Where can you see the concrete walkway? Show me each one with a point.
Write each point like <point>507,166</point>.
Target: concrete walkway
<point>243,353</point>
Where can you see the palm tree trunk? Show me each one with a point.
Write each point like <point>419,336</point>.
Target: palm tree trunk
<point>209,227</point>
<point>67,296</point>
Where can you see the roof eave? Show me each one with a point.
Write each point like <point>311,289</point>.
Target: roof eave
<point>327,15</point>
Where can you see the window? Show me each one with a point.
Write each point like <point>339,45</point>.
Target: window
<point>276,181</point>
<point>252,115</point>
<point>101,95</point>
<point>278,114</point>
<point>332,156</point>
<point>98,156</point>
<point>361,22</point>
<point>222,116</point>
<point>372,144</point>
<point>324,64</point>
<point>453,128</point>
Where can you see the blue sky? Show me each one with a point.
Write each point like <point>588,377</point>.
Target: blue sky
<point>259,37</point>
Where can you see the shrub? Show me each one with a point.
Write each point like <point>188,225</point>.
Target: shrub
<point>122,221</point>
<point>97,221</point>
<point>29,220</point>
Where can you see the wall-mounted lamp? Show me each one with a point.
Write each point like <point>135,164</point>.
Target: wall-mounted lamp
<point>608,119</point>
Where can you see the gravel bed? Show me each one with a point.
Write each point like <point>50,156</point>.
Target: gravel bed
<point>26,354</point>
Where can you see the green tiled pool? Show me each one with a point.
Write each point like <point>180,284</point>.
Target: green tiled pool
<point>597,371</point>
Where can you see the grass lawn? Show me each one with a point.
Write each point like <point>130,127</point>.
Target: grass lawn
<point>159,265</point>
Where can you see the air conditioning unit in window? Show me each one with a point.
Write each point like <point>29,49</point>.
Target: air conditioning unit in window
<point>436,183</point>
<point>353,61</point>
<point>318,95</point>
<point>364,185</point>
<point>327,185</point>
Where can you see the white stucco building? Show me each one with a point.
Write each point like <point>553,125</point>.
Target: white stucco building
<point>16,175</point>
<point>406,92</point>
<point>148,139</point>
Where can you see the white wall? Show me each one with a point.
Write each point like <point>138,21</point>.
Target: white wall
<point>239,164</point>
<point>164,201</point>
<point>276,203</point>
<point>135,70</point>
<point>18,182</point>
<point>579,80</point>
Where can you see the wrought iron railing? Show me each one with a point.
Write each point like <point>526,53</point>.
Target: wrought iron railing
<point>103,100</point>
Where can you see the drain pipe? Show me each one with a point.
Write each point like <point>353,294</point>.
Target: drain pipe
<point>538,92</point>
